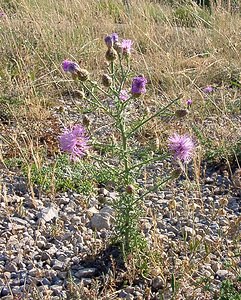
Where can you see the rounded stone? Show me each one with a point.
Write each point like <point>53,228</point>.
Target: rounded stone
<point>4,291</point>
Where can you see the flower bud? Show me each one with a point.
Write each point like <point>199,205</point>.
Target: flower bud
<point>111,54</point>
<point>106,80</point>
<point>86,121</point>
<point>78,94</point>
<point>176,173</point>
<point>70,66</point>
<point>180,113</point>
<point>130,189</point>
<point>74,76</point>
<point>83,75</point>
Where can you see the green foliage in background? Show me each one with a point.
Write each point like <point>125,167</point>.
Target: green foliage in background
<point>62,176</point>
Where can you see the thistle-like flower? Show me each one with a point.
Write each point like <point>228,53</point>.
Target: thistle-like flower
<point>208,89</point>
<point>70,66</point>
<point>111,39</point>
<point>124,95</point>
<point>108,41</point>
<point>74,141</point>
<point>189,102</point>
<point>115,37</point>
<point>126,47</point>
<point>182,147</point>
<point>138,86</point>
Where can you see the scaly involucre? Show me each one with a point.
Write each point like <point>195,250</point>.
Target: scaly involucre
<point>74,141</point>
<point>182,147</point>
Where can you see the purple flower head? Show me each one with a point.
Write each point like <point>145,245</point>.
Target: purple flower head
<point>124,95</point>
<point>74,141</point>
<point>114,37</point>
<point>2,14</point>
<point>182,147</point>
<point>189,102</point>
<point>208,89</point>
<point>108,41</point>
<point>111,39</point>
<point>126,46</point>
<point>138,85</point>
<point>70,66</point>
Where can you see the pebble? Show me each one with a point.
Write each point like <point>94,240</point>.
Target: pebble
<point>49,213</point>
<point>98,222</point>
<point>222,274</point>
<point>41,244</point>
<point>57,290</point>
<point>188,231</point>
<point>86,272</point>
<point>11,267</point>
<point>57,265</point>
<point>86,281</point>
<point>62,257</point>
<point>4,292</point>
<point>157,283</point>
<point>45,281</point>
<point>45,256</point>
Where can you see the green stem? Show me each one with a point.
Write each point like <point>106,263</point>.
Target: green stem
<point>96,99</point>
<point>99,88</point>
<point>124,148</point>
<point>153,189</point>
<point>124,104</point>
<point>147,161</point>
<point>126,214</point>
<point>124,76</point>
<point>112,68</point>
<point>151,117</point>
<point>109,146</point>
<point>122,71</point>
<point>113,169</point>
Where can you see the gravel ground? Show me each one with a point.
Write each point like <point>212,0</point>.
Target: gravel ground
<point>57,246</point>
<point>49,242</point>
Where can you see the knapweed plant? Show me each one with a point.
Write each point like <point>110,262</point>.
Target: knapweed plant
<point>115,94</point>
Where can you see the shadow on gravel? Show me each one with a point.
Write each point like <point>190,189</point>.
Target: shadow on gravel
<point>110,259</point>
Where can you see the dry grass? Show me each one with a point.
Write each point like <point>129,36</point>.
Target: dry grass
<point>37,35</point>
<point>178,54</point>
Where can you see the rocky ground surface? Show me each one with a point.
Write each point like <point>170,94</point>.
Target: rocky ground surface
<point>53,247</point>
<point>57,246</point>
